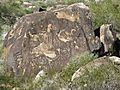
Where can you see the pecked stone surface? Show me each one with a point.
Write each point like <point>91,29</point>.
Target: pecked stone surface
<point>48,39</point>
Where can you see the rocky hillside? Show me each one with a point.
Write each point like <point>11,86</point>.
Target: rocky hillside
<point>58,49</point>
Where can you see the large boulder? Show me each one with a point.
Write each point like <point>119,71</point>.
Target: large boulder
<point>48,39</point>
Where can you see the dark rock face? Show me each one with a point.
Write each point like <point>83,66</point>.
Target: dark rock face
<point>116,48</point>
<point>48,39</point>
<point>41,9</point>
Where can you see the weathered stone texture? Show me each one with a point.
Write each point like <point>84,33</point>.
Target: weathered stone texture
<point>49,38</point>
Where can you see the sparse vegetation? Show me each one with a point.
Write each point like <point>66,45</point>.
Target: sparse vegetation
<point>106,11</point>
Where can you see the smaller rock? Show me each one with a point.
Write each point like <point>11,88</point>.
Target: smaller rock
<point>115,59</point>
<point>16,88</point>
<point>90,67</point>
<point>38,76</point>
